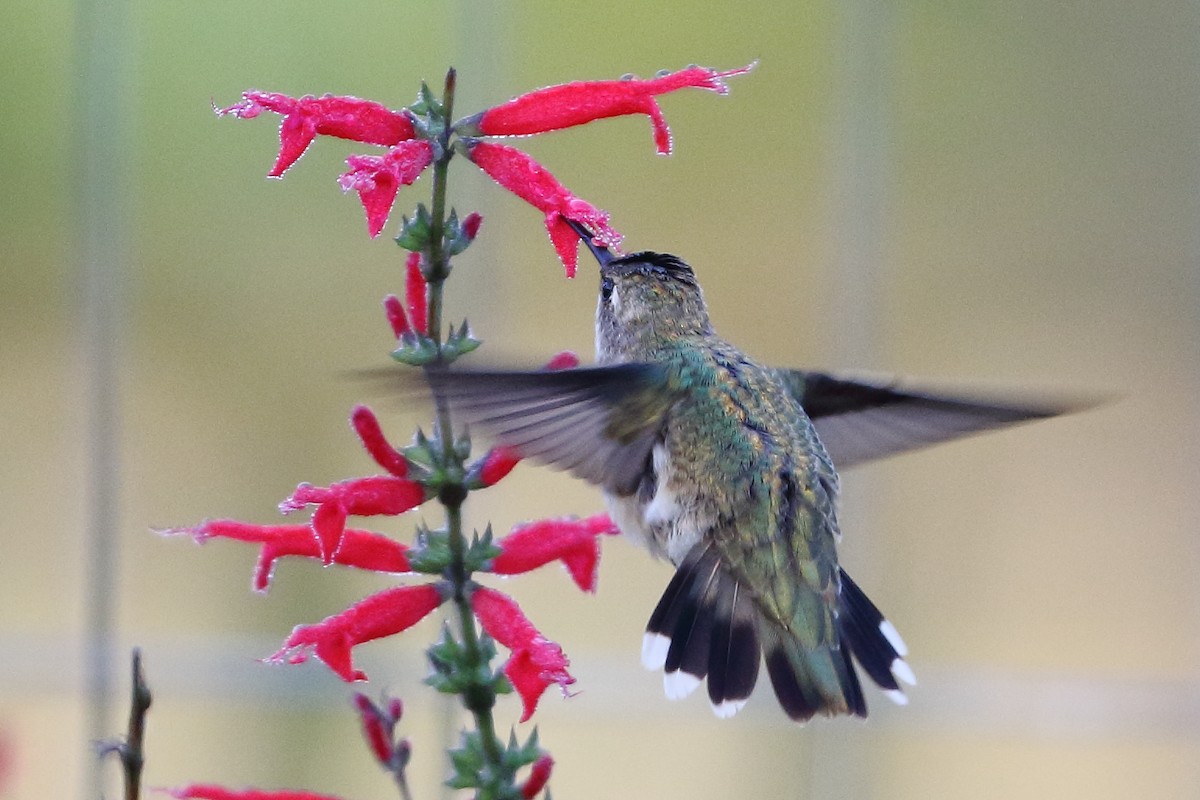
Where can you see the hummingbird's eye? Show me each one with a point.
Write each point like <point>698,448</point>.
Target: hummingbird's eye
<point>606,288</point>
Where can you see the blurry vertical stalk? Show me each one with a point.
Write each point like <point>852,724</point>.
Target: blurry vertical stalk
<point>481,34</point>
<point>862,115</point>
<point>100,227</point>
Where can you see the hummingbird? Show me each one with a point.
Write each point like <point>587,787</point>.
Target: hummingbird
<point>727,468</point>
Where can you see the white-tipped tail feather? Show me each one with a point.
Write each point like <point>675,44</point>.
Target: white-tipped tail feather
<point>654,650</point>
<point>727,708</point>
<point>902,671</point>
<point>679,684</point>
<point>893,636</point>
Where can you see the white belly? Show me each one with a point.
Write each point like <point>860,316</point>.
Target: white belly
<point>658,523</point>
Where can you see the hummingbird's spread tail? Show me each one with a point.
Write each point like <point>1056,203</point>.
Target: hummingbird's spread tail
<point>708,626</point>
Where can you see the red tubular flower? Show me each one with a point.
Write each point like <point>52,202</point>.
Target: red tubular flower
<point>374,495</point>
<point>366,425</point>
<point>211,791</point>
<point>377,179</point>
<point>581,102</point>
<point>539,776</point>
<point>304,117</point>
<point>470,225</point>
<point>573,541</point>
<point>494,467</point>
<point>377,728</point>
<point>395,316</point>
<point>520,174</point>
<point>384,614</point>
<point>416,293</point>
<point>536,662</point>
<point>359,548</point>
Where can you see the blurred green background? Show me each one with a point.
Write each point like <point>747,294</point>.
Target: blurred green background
<point>1003,194</point>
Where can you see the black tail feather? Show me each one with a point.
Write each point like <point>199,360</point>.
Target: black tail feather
<point>872,639</point>
<point>704,627</point>
<point>707,626</point>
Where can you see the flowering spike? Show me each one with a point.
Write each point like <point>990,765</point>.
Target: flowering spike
<point>211,791</point>
<point>574,542</point>
<point>366,425</point>
<point>536,662</point>
<point>304,117</point>
<point>384,614</point>
<point>377,179</point>
<point>533,183</point>
<point>578,103</point>
<point>416,293</point>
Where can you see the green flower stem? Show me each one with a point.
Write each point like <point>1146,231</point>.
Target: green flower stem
<point>480,701</point>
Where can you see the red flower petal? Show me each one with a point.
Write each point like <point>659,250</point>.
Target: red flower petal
<point>211,791</point>
<point>539,775</point>
<point>359,548</point>
<point>304,117</point>
<point>377,179</point>
<point>520,174</point>
<point>569,104</point>
<point>470,225</point>
<point>416,293</point>
<point>564,360</point>
<point>375,495</point>
<point>366,425</point>
<point>536,544</point>
<point>496,465</point>
<point>377,728</point>
<point>536,662</point>
<point>384,614</point>
<point>395,315</point>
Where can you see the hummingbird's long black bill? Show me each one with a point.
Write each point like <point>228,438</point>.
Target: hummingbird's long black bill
<point>602,253</point>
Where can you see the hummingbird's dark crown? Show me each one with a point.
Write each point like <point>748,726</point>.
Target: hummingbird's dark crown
<point>663,265</point>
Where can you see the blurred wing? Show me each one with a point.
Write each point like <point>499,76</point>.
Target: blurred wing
<point>598,423</point>
<point>859,421</point>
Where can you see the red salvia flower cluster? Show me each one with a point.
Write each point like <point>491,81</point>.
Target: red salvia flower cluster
<point>416,138</point>
<point>378,178</point>
<point>394,610</point>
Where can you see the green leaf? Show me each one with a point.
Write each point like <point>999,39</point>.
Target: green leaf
<point>416,350</point>
<point>481,550</point>
<point>431,552</point>
<point>459,342</point>
<point>416,233</point>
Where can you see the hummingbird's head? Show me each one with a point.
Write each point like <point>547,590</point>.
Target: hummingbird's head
<point>647,299</point>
